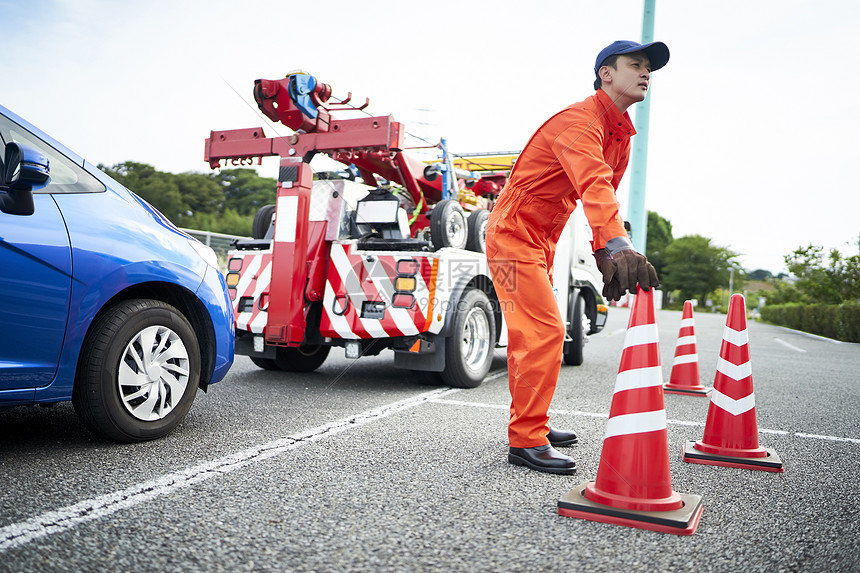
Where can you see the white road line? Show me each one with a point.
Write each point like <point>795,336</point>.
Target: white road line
<point>494,375</point>
<point>787,345</point>
<point>49,523</point>
<point>828,438</point>
<point>670,422</point>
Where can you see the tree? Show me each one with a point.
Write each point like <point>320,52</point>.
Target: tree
<point>697,268</point>
<point>245,191</point>
<point>659,237</point>
<point>201,193</point>
<point>760,275</point>
<point>158,188</point>
<point>832,282</point>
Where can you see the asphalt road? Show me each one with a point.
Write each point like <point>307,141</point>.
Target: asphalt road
<point>360,467</point>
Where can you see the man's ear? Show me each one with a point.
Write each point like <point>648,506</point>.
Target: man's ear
<point>605,74</point>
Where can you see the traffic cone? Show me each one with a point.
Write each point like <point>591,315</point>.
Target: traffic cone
<point>633,485</point>
<point>731,430</point>
<point>684,378</point>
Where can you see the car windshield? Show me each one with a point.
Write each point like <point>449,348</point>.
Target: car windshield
<point>66,175</point>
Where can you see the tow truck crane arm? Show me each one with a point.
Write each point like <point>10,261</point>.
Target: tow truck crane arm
<point>374,145</point>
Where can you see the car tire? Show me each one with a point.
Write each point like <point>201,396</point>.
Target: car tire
<point>262,221</point>
<point>448,225</point>
<point>578,330</point>
<point>305,358</point>
<point>138,371</point>
<point>476,226</point>
<point>469,347</point>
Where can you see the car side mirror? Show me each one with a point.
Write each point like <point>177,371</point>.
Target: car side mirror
<point>25,170</point>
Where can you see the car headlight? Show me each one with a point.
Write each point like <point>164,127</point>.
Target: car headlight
<point>206,253</point>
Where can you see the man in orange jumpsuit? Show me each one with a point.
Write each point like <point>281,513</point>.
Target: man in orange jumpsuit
<point>580,154</point>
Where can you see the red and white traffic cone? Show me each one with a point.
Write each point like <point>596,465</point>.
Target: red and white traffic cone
<point>633,485</point>
<point>684,378</point>
<point>731,430</point>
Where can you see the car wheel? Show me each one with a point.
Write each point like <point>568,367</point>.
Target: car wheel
<point>448,225</point>
<point>138,372</point>
<point>469,349</point>
<point>578,331</point>
<point>477,231</point>
<point>305,358</point>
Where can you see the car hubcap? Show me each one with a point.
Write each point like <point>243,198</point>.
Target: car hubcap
<point>153,373</point>
<point>476,339</point>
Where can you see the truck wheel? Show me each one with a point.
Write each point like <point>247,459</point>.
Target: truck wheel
<point>469,348</point>
<point>578,331</point>
<point>265,363</point>
<point>448,225</point>
<point>305,358</point>
<point>138,372</point>
<point>262,221</point>
<point>476,226</point>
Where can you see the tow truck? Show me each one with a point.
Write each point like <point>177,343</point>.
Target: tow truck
<point>394,262</point>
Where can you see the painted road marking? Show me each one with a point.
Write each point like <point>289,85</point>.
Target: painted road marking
<point>64,519</point>
<point>791,346</point>
<point>670,422</point>
<point>58,521</point>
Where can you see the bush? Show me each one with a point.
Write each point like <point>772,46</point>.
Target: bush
<point>838,321</point>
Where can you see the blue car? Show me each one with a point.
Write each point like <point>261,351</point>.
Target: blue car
<point>103,301</point>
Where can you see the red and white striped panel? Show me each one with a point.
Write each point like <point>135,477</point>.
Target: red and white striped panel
<point>254,281</point>
<point>354,278</point>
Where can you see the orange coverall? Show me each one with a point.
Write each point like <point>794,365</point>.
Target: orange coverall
<point>579,153</point>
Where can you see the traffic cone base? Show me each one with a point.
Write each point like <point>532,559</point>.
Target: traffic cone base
<point>694,390</point>
<point>683,521</point>
<point>704,448</point>
<point>771,462</point>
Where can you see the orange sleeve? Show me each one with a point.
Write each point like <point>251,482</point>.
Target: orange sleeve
<point>579,149</point>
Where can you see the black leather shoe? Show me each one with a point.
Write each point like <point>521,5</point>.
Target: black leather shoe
<point>561,438</point>
<point>542,459</point>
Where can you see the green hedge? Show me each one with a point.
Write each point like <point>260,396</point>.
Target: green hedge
<point>838,321</point>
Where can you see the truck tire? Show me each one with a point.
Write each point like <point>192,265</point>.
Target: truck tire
<point>138,373</point>
<point>265,363</point>
<point>476,225</point>
<point>578,330</point>
<point>469,347</point>
<point>448,225</point>
<point>262,221</point>
<point>305,358</point>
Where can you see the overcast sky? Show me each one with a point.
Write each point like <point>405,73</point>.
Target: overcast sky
<point>754,136</point>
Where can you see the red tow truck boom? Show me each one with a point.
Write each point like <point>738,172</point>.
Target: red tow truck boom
<point>343,265</point>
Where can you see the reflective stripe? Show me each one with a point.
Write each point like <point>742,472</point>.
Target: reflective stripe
<point>732,406</point>
<point>734,371</point>
<point>639,378</point>
<point>736,337</point>
<point>685,359</point>
<point>686,340</point>
<point>644,334</point>
<point>285,219</point>
<point>687,322</point>
<point>638,423</point>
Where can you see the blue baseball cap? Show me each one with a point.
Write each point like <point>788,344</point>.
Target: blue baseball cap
<point>657,53</point>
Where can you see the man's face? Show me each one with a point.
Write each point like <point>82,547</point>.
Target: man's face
<point>632,77</point>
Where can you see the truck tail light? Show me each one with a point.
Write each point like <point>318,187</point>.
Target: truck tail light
<point>405,283</point>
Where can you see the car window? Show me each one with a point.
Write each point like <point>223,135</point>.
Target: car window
<point>66,175</point>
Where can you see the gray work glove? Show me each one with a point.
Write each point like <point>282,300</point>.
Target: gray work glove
<point>624,269</point>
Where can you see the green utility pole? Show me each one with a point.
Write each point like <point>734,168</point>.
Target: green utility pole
<point>636,213</point>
